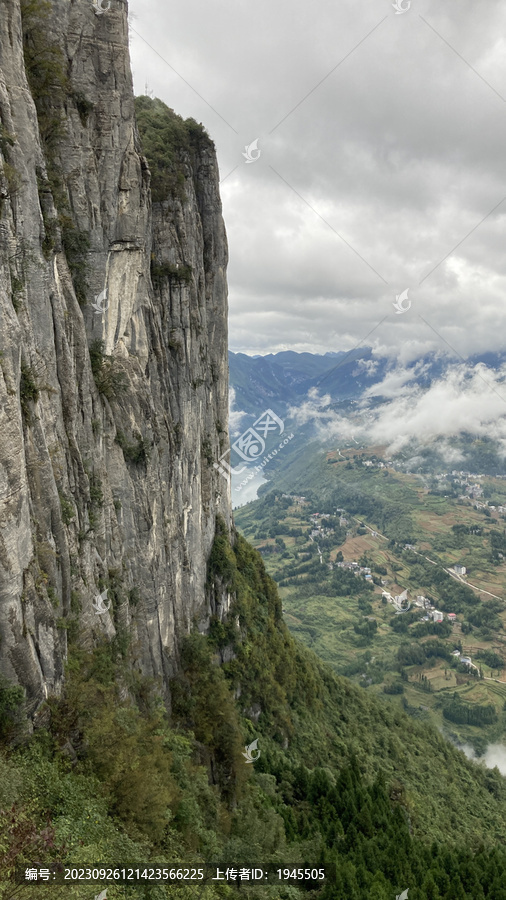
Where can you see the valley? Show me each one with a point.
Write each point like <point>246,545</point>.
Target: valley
<point>357,532</point>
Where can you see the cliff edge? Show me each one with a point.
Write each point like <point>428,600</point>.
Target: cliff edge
<point>113,340</point>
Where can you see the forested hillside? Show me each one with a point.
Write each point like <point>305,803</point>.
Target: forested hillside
<point>382,802</point>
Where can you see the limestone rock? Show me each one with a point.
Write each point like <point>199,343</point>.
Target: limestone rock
<point>113,489</point>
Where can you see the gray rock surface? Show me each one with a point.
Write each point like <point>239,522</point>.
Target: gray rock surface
<point>80,512</point>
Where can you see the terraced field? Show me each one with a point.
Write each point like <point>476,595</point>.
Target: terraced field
<point>357,631</point>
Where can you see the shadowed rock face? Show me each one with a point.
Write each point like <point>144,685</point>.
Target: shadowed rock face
<point>113,488</point>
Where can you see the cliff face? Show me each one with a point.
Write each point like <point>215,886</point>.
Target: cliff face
<point>106,459</point>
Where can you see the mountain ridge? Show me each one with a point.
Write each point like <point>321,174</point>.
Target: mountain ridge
<point>285,378</point>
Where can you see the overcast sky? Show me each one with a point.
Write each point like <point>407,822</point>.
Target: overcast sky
<point>382,141</point>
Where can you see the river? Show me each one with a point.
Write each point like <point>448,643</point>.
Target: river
<point>244,493</point>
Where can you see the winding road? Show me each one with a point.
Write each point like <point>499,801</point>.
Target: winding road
<point>434,563</point>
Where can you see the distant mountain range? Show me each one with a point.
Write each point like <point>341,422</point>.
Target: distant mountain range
<point>283,379</point>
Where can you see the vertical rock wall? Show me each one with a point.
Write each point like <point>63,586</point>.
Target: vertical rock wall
<point>111,489</point>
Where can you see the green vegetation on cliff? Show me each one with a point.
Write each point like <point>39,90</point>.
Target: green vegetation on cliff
<point>168,141</point>
<point>341,781</point>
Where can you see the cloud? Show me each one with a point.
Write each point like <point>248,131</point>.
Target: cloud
<point>235,416</point>
<point>382,160</point>
<point>463,400</point>
<point>395,381</point>
<point>495,755</point>
<point>368,367</point>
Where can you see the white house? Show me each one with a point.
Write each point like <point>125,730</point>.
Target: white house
<point>437,616</point>
<point>460,570</point>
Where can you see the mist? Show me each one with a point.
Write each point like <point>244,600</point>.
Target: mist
<point>465,399</point>
<point>495,755</point>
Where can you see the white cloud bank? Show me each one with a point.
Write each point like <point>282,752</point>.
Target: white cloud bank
<point>495,755</point>
<point>463,400</point>
<point>235,416</point>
